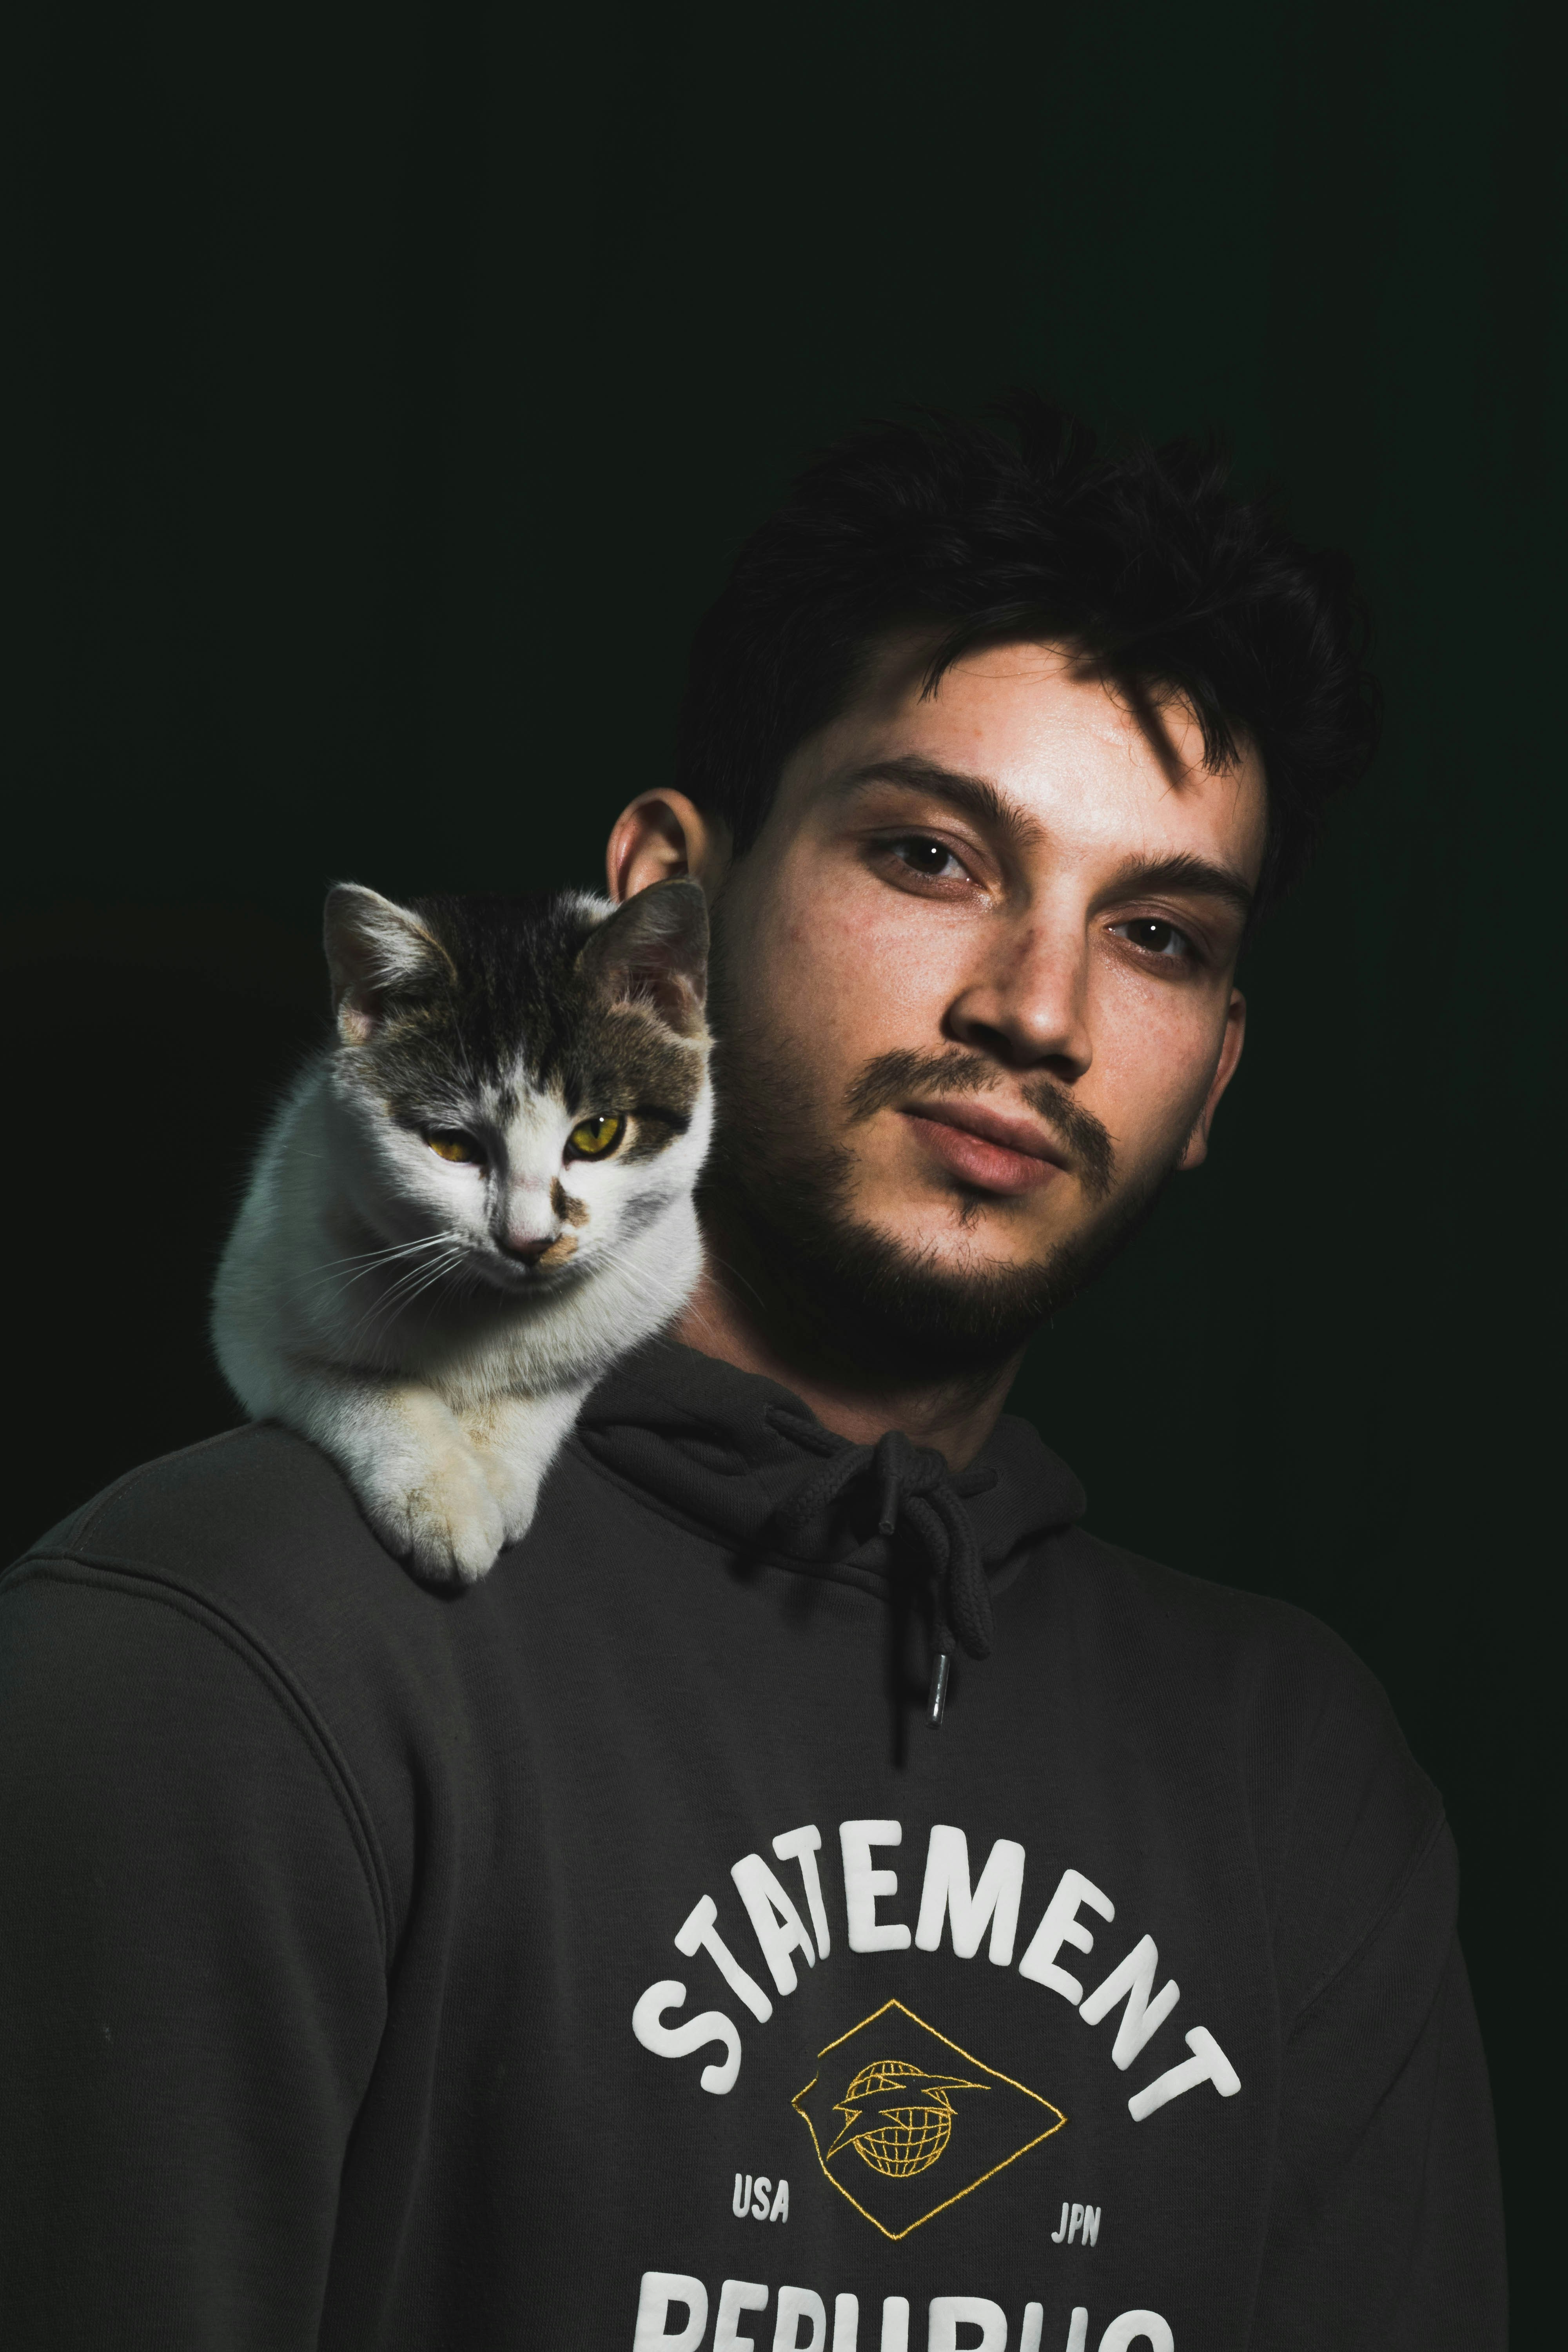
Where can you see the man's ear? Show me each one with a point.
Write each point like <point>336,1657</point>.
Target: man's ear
<point>374,948</point>
<point>660,837</point>
<point>653,952</point>
<point>1196,1148</point>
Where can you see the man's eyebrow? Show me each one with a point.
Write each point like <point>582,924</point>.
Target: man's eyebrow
<point>977,796</point>
<point>1199,877</point>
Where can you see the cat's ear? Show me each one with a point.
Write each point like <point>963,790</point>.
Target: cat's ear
<point>653,952</point>
<point>374,949</point>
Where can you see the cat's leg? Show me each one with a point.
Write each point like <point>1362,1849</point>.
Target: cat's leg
<point>515,1440</point>
<point>410,1463</point>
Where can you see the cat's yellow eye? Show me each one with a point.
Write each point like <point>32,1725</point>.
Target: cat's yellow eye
<point>596,1138</point>
<point>451,1143</point>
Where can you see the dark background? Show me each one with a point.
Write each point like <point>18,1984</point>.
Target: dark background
<point>415,374</point>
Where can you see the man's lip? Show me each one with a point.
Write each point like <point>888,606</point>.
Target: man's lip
<point>1020,1135</point>
<point>985,1148</point>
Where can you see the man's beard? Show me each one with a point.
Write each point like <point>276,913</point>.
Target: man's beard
<point>776,1206</point>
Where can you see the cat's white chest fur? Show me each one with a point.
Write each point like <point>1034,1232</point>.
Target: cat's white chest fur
<point>475,1203</point>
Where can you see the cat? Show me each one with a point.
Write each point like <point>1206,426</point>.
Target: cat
<point>475,1201</point>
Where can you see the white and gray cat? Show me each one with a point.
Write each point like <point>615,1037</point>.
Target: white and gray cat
<point>475,1201</point>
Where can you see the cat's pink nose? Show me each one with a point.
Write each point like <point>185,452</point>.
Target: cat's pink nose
<point>529,1247</point>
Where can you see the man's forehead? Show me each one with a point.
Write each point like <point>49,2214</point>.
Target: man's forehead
<point>1059,751</point>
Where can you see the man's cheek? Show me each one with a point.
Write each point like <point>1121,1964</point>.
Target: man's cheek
<point>877,977</point>
<point>835,987</point>
<point>1153,1060</point>
<point>1157,1117</point>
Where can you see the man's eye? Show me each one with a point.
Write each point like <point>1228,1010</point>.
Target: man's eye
<point>933,860</point>
<point>1155,936</point>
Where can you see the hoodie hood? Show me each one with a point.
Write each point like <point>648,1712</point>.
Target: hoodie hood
<point>742,1460</point>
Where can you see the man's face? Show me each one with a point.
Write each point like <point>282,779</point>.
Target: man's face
<point>973,991</point>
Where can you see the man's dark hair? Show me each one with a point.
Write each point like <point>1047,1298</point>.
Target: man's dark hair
<point>1137,560</point>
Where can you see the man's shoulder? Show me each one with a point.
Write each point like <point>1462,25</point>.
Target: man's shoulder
<point>244,1496</point>
<point>254,1528</point>
<point>1276,1702</point>
<point>1257,1645</point>
<point>253,1537</point>
<point>238,1577</point>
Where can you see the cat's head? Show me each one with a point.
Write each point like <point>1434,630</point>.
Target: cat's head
<point>526,1076</point>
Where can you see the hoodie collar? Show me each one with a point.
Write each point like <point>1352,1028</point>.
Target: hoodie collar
<point>742,1460</point>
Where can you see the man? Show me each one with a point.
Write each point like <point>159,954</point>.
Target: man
<point>812,1894</point>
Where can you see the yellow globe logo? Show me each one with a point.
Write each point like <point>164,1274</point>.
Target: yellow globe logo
<point>902,2140</point>
<point>905,2136</point>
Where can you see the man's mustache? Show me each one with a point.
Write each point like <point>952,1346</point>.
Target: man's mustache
<point>892,1079</point>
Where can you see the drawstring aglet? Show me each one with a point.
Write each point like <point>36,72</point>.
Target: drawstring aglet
<point>937,1705</point>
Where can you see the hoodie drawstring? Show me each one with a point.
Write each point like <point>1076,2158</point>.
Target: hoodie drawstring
<point>913,1483</point>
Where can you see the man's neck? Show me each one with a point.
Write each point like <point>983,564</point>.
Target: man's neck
<point>954,1416</point>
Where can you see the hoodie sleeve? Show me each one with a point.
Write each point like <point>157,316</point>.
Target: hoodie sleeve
<point>192,1979</point>
<point>1387,2222</point>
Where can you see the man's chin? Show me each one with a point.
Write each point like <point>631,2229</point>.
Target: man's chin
<point>897,1311</point>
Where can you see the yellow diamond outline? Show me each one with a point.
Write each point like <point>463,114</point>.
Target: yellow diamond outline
<point>970,2060</point>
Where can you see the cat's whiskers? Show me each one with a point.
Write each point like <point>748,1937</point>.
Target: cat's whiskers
<point>703,1323</point>
<point>618,1255</point>
<point>402,1293</point>
<point>621,1261</point>
<point>368,1260</point>
<point>389,1249</point>
<point>464,1280</point>
<point>416,1278</point>
<point>724,1266</point>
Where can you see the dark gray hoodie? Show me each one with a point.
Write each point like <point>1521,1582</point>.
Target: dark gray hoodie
<point>614,1954</point>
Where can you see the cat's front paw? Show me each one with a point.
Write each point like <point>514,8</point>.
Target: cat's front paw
<point>448,1528</point>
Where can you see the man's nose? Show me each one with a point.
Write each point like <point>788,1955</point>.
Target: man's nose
<point>1028,1008</point>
